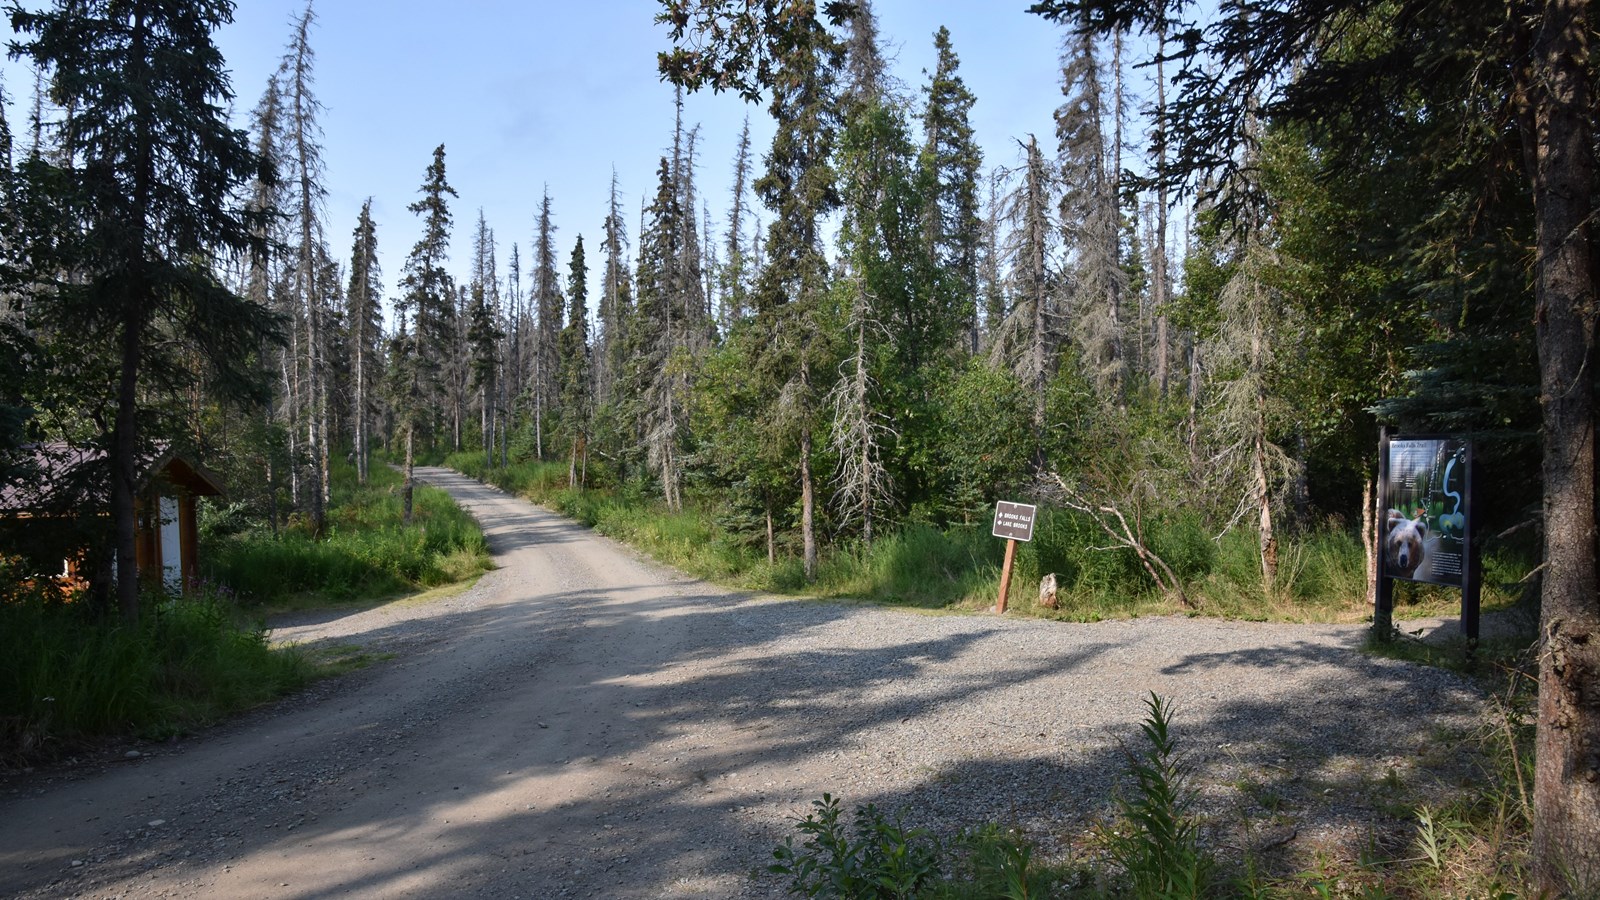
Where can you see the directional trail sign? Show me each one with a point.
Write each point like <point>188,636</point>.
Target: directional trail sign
<point>1013,521</point>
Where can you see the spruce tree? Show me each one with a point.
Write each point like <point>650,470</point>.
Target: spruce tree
<point>302,169</point>
<point>548,308</point>
<point>365,314</point>
<point>576,399</point>
<point>484,334</point>
<point>615,301</point>
<point>800,188</point>
<point>736,272</point>
<point>142,203</point>
<point>655,332</point>
<point>267,194</point>
<point>1090,217</point>
<point>425,311</point>
<point>1028,337</point>
<point>951,159</point>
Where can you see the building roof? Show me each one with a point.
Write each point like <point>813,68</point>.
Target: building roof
<point>58,477</point>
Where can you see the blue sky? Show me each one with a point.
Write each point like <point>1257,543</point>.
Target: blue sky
<point>534,95</point>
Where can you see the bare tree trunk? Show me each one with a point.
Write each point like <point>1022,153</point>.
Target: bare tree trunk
<point>1159,245</point>
<point>360,400</point>
<point>407,489</point>
<point>1268,539</point>
<point>772,544</point>
<point>125,473</point>
<point>808,533</point>
<point>1192,421</point>
<point>291,393</point>
<point>1369,538</point>
<point>1555,85</point>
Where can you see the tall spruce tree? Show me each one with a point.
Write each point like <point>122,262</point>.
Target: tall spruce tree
<point>875,171</point>
<point>736,272</point>
<point>143,201</point>
<point>365,313</point>
<point>548,307</point>
<point>267,195</point>
<point>656,332</point>
<point>425,311</point>
<point>1028,337</point>
<point>577,401</point>
<point>1090,217</point>
<point>301,167</point>
<point>615,301</point>
<point>951,161</point>
<point>484,334</point>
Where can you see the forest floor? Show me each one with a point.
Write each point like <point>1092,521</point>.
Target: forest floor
<point>583,722</point>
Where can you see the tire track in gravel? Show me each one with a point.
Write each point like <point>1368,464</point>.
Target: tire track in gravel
<point>585,723</point>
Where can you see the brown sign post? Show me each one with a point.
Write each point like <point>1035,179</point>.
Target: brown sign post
<point>1014,522</point>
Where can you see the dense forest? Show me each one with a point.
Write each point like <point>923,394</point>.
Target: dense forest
<point>882,327</point>
<point>1200,307</point>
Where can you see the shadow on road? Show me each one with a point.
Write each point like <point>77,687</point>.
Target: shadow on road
<point>672,768</point>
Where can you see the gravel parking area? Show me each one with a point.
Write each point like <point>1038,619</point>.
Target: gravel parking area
<point>586,723</point>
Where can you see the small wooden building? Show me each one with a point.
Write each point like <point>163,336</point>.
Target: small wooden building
<point>72,483</point>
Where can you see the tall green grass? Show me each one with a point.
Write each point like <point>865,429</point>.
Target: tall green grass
<point>71,676</point>
<point>1321,573</point>
<point>366,552</point>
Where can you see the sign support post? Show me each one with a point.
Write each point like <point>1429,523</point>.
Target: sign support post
<point>1014,522</point>
<point>1383,598</point>
<point>1005,575</point>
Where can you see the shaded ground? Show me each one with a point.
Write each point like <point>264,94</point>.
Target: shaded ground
<point>585,723</point>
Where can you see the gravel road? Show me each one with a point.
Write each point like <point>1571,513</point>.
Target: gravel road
<point>586,723</point>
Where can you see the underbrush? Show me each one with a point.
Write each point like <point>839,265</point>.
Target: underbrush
<point>365,553</point>
<point>71,676</point>
<point>1321,573</point>
<point>1149,842</point>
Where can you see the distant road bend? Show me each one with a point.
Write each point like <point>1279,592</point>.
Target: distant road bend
<point>586,723</point>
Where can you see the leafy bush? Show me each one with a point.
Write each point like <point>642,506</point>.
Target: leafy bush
<point>873,858</point>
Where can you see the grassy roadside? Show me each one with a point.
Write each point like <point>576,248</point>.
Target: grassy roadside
<point>76,678</point>
<point>366,555</point>
<point>1322,575</point>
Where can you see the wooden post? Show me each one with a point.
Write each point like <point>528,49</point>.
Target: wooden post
<point>1005,575</point>
<point>1472,570</point>
<point>1383,607</point>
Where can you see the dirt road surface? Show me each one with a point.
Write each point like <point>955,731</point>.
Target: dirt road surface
<point>585,723</point>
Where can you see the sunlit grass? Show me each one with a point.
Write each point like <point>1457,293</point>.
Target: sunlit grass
<point>366,553</point>
<point>1321,573</point>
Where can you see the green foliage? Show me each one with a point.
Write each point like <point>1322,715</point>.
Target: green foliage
<point>958,566</point>
<point>984,436</point>
<point>366,552</point>
<point>871,858</point>
<point>991,864</point>
<point>1156,842</point>
<point>190,661</point>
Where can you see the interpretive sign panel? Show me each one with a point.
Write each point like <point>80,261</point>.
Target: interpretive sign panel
<point>1013,521</point>
<point>1428,498</point>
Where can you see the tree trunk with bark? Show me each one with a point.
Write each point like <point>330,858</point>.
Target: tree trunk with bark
<point>1566,833</point>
